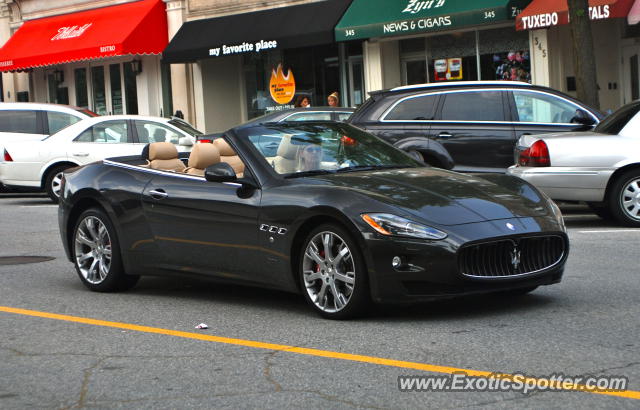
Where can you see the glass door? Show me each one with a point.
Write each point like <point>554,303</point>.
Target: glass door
<point>98,88</point>
<point>115,80</point>
<point>414,71</point>
<point>356,81</point>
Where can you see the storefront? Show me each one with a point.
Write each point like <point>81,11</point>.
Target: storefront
<point>246,65</point>
<point>105,59</point>
<point>616,46</point>
<point>412,42</point>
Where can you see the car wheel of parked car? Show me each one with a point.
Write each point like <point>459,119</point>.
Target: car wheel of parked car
<point>333,274</point>
<point>96,253</point>
<point>624,200</point>
<point>53,182</point>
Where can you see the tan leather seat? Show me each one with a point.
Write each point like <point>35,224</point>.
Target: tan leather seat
<point>228,155</point>
<point>163,156</point>
<point>202,155</point>
<point>286,161</point>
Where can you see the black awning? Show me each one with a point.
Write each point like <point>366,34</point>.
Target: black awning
<point>285,27</point>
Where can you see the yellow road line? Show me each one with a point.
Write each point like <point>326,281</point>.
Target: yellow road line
<point>630,394</point>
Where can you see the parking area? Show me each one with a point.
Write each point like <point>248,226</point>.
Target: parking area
<point>65,347</point>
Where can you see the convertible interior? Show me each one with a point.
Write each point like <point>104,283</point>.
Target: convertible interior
<point>164,156</point>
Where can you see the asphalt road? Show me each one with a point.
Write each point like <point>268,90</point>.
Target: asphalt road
<point>588,324</point>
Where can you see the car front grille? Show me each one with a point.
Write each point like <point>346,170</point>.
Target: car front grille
<point>511,257</point>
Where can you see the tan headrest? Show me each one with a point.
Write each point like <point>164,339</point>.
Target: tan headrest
<point>162,150</point>
<point>203,155</point>
<point>286,149</point>
<point>224,147</point>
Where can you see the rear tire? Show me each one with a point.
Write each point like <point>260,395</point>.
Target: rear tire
<point>332,273</point>
<point>52,182</point>
<point>96,253</point>
<point>624,200</point>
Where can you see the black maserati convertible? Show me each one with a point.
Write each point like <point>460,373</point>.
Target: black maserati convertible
<point>334,213</point>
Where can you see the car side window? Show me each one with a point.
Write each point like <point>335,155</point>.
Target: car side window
<point>413,109</point>
<point>109,132</point>
<point>473,106</point>
<point>19,121</point>
<point>149,131</point>
<point>543,108</point>
<point>316,116</point>
<point>60,120</point>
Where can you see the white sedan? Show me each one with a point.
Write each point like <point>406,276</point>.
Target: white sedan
<point>601,167</point>
<point>40,164</point>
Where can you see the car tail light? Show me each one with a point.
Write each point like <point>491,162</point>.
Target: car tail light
<point>205,141</point>
<point>537,155</point>
<point>7,157</point>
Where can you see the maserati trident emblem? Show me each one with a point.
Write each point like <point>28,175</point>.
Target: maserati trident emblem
<point>510,226</point>
<point>515,257</point>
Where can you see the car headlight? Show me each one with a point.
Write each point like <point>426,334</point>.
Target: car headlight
<point>557,213</point>
<point>392,225</point>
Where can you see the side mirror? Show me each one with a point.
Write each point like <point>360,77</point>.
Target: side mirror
<point>220,172</point>
<point>582,117</point>
<point>186,141</point>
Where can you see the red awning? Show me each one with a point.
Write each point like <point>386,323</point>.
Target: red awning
<point>547,13</point>
<point>139,27</point>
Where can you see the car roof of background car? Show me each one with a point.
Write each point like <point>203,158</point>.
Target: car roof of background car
<point>39,106</point>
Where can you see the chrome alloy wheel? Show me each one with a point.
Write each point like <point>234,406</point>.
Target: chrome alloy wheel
<point>329,272</point>
<point>93,250</point>
<point>630,199</point>
<point>56,184</point>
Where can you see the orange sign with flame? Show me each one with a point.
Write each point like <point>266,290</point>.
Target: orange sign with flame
<point>282,87</point>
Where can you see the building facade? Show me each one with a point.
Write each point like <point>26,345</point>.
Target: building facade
<point>102,55</point>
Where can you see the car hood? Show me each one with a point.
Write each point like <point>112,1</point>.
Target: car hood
<point>444,197</point>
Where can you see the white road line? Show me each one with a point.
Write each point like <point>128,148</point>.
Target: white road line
<point>38,206</point>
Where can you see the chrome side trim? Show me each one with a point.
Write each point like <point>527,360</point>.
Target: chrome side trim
<point>384,115</point>
<point>457,84</point>
<point>160,172</point>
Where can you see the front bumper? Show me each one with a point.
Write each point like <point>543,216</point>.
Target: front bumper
<point>430,268</point>
<point>566,183</point>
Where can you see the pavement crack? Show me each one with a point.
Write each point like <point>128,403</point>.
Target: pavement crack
<point>86,377</point>
<point>267,370</point>
<point>624,366</point>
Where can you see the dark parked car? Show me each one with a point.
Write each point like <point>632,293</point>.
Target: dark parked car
<point>305,114</point>
<point>338,215</point>
<point>469,126</point>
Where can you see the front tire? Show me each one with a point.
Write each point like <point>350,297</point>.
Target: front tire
<point>624,201</point>
<point>332,273</point>
<point>96,253</point>
<point>52,183</point>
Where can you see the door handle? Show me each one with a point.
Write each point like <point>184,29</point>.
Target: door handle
<point>445,135</point>
<point>80,154</point>
<point>158,194</point>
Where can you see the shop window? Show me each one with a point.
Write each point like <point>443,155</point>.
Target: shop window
<point>544,108</point>
<point>116,89</point>
<point>452,57</point>
<point>98,86</point>
<point>60,120</point>
<point>413,109</point>
<point>473,106</point>
<point>130,90</point>
<point>155,132</point>
<point>504,54</point>
<point>111,132</point>
<point>82,96</point>
<point>19,121</point>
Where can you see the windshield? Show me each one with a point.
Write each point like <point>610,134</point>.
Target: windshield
<point>615,122</point>
<point>185,126</point>
<point>298,149</point>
